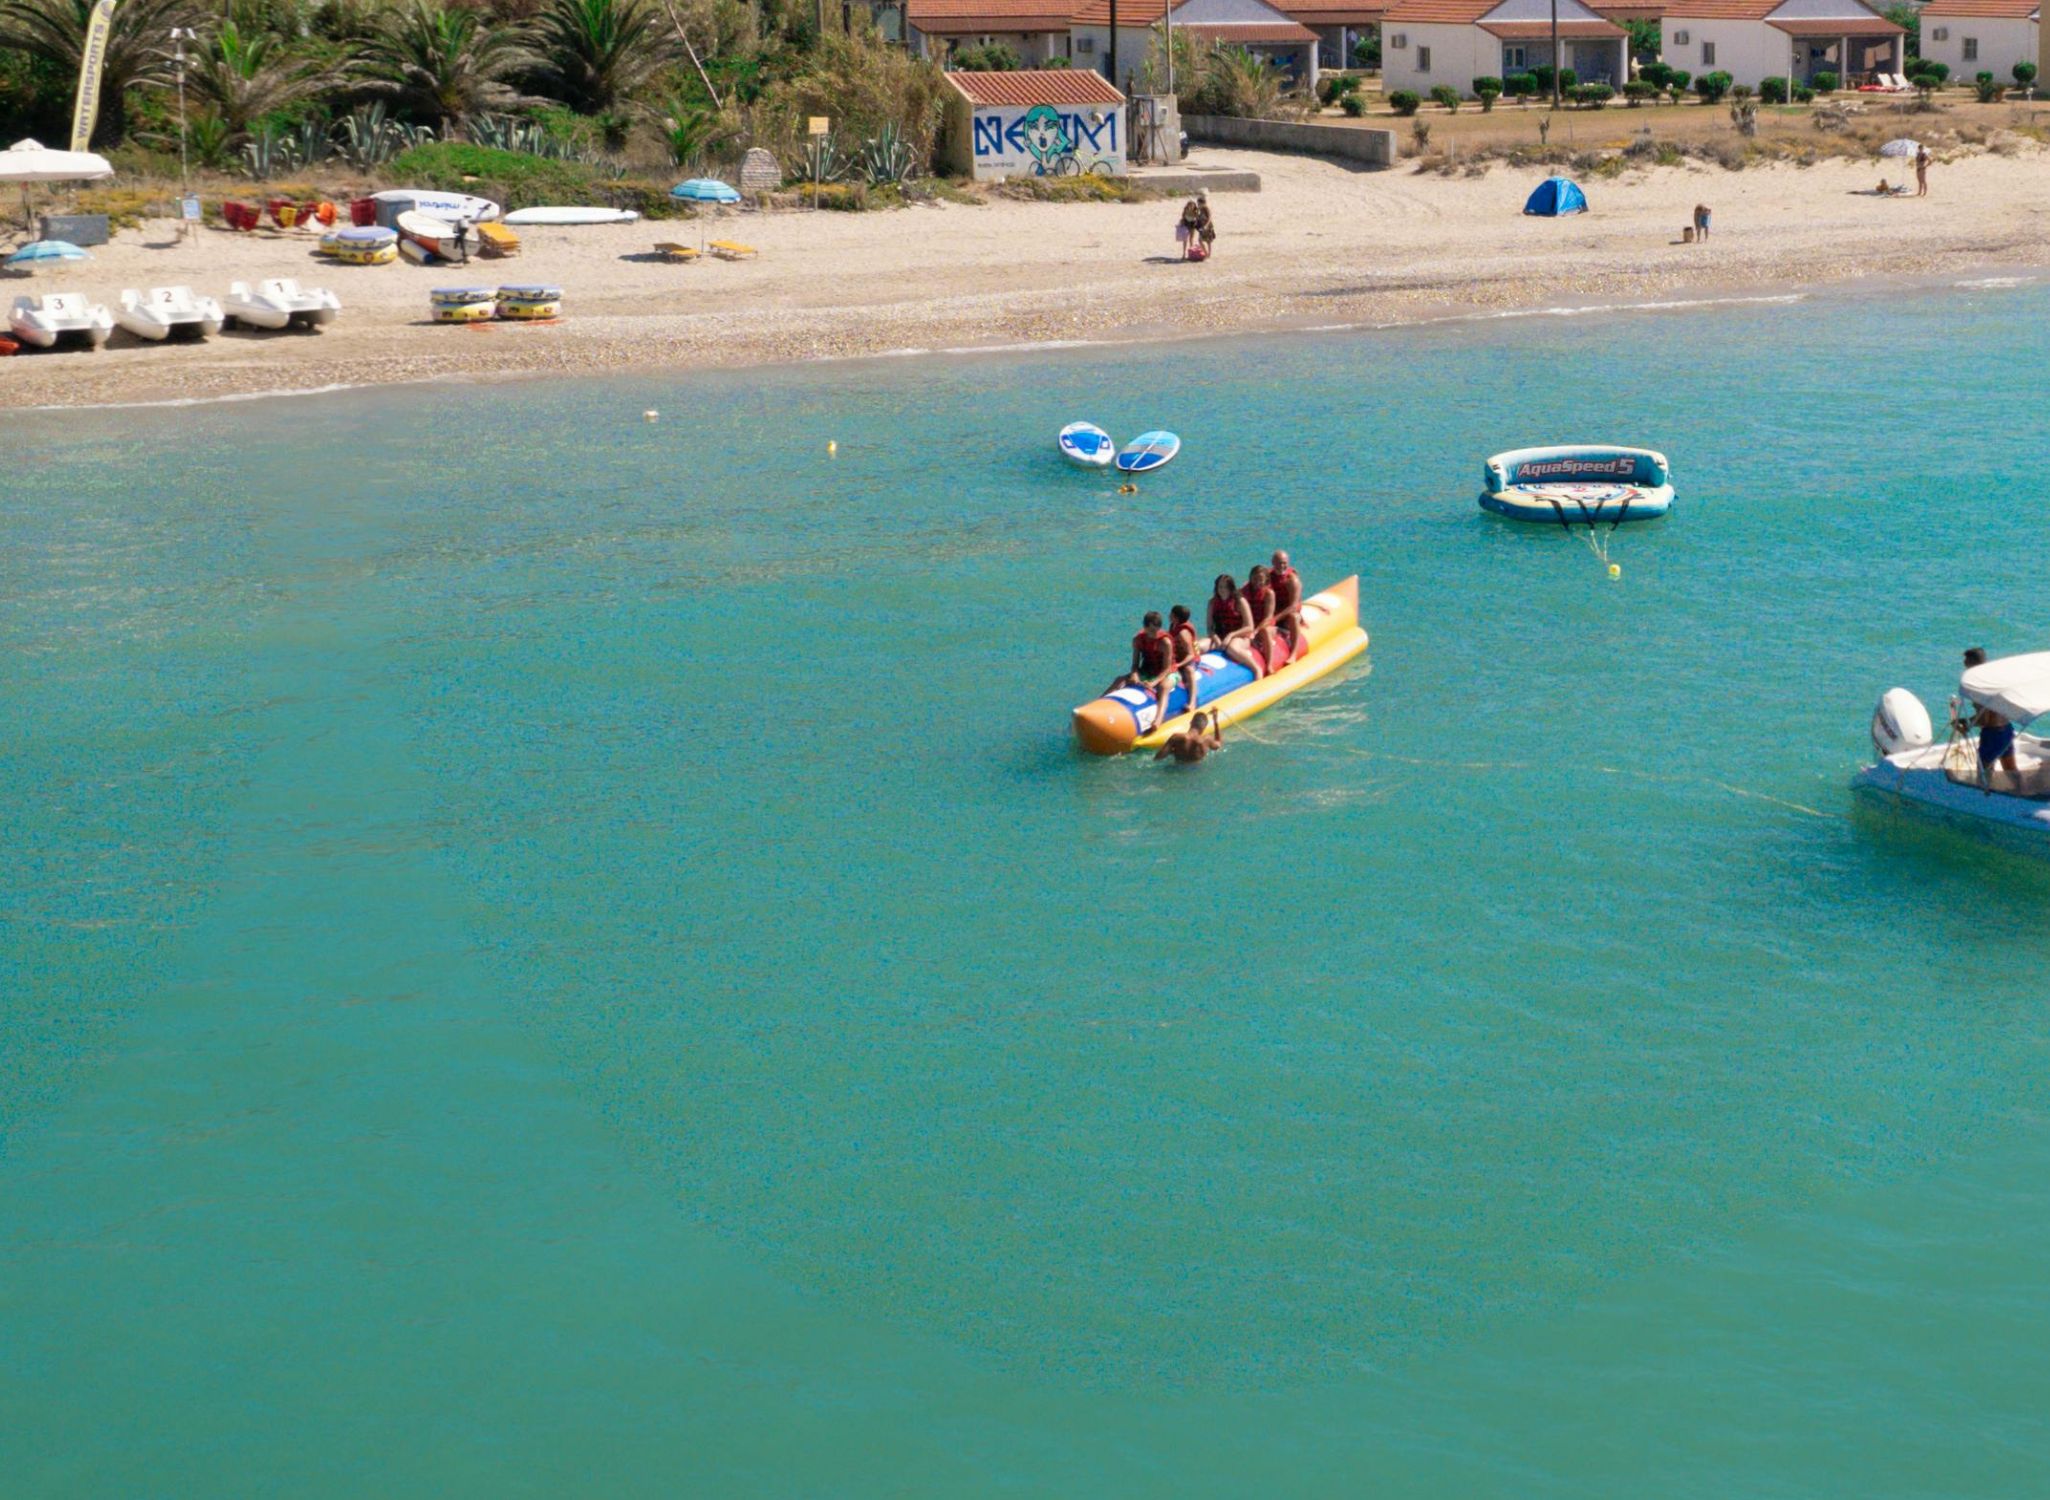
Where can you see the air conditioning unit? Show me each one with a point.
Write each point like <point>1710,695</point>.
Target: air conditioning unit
<point>1940,34</point>
<point>1398,41</point>
<point>1680,39</point>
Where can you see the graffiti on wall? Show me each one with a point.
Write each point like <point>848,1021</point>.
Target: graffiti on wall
<point>1043,141</point>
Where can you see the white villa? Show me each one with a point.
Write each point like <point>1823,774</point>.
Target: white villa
<point>1425,43</point>
<point>1037,30</point>
<point>1981,36</point>
<point>1258,27</point>
<point>1752,40</point>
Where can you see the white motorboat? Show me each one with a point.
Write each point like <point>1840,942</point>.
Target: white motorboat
<point>1950,777</point>
<point>280,302</point>
<point>169,312</point>
<point>60,318</point>
<point>447,206</point>
<point>436,236</point>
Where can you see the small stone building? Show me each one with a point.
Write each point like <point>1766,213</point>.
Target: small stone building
<point>1058,122</point>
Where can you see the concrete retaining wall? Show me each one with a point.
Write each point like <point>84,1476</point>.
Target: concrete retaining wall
<point>1375,148</point>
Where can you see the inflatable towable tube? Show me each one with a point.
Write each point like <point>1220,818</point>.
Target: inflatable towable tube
<point>1578,485</point>
<point>1123,720</point>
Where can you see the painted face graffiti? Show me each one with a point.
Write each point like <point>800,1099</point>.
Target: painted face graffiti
<point>1046,138</point>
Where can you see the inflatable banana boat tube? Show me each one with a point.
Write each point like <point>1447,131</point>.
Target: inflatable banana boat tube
<point>1578,486</point>
<point>1124,720</point>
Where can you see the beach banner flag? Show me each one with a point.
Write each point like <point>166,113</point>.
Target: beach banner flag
<point>91,57</point>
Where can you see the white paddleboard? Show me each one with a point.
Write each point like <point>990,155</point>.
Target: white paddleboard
<point>440,205</point>
<point>571,215</point>
<point>1149,451</point>
<point>1087,444</point>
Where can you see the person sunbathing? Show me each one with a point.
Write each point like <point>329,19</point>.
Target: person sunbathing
<point>1204,734</point>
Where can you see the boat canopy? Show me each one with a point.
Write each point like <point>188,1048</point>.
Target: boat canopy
<point>2015,687</point>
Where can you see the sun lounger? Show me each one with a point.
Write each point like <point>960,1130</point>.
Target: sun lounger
<point>668,250</point>
<point>728,250</point>
<point>496,240</point>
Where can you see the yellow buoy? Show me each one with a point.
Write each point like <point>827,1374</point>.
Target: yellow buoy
<point>1615,570</point>
<point>831,448</point>
<point>649,416</point>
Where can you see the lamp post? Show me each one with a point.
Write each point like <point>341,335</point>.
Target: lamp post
<point>1555,54</point>
<point>180,35</point>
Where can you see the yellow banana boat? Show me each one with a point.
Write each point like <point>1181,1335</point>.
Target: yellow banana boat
<point>1124,720</point>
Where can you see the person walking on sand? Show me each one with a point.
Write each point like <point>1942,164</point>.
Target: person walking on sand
<point>1206,227</point>
<point>1921,171</point>
<point>1701,221</point>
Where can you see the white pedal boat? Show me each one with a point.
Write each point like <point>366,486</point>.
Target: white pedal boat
<point>60,318</point>
<point>1086,445</point>
<point>1948,778</point>
<point>280,302</point>
<point>168,312</point>
<point>1578,484</point>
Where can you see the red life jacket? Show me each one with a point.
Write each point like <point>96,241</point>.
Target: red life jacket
<point>1184,631</point>
<point>1260,600</point>
<point>1288,588</point>
<point>1224,615</point>
<point>1155,651</point>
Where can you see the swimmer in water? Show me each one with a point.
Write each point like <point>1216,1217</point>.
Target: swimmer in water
<point>1203,735</point>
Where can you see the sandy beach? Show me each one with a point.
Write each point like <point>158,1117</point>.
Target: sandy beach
<point>1321,244</point>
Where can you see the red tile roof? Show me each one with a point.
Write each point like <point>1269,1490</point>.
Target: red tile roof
<point>1721,10</point>
<point>1337,12</point>
<point>948,17</point>
<point>1848,26</point>
<point>1521,31</point>
<point>1246,32</point>
<point>1047,86</point>
<point>1439,12</point>
<point>1623,10</point>
<point>2004,10</point>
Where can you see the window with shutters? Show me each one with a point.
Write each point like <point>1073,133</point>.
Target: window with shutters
<point>1971,49</point>
<point>1708,54</point>
<point>1423,59</point>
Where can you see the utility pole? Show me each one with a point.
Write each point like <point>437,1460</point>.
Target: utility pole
<point>1113,43</point>
<point>1555,54</point>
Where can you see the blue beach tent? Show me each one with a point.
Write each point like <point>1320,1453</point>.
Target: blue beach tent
<point>1556,196</point>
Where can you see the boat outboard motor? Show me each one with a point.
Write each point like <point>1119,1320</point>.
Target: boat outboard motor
<point>1900,723</point>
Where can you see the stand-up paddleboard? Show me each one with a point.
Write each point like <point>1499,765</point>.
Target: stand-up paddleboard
<point>1087,444</point>
<point>1149,451</point>
<point>572,214</point>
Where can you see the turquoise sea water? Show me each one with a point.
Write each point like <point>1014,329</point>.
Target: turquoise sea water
<point>549,954</point>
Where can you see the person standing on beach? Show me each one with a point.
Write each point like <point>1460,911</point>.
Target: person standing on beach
<point>1921,171</point>
<point>1701,221</point>
<point>463,240</point>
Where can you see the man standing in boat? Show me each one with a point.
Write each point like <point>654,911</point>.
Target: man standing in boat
<point>1996,731</point>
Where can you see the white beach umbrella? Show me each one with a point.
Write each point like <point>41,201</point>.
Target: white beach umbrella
<point>1902,147</point>
<point>31,161</point>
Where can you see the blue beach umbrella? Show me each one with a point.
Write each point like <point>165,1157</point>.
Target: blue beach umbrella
<point>42,250</point>
<point>704,190</point>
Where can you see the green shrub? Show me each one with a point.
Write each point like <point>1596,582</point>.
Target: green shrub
<point>1054,63</point>
<point>1404,102</point>
<point>1771,90</point>
<point>1366,51</point>
<point>1824,83</point>
<point>1677,80</point>
<point>1637,91</point>
<point>1920,68</point>
<point>1803,94</point>
<point>1987,89</point>
<point>1520,85</point>
<point>996,57</point>
<point>1657,74</point>
<point>1448,96</point>
<point>520,181</point>
<point>1740,92</point>
<point>1333,87</point>
<point>1592,95</point>
<point>1487,90</point>
<point>1712,87</point>
<point>2024,74</point>
<point>1354,104</point>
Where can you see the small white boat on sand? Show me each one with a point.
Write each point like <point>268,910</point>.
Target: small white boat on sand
<point>169,312</point>
<point>447,206</point>
<point>435,236</point>
<point>1971,777</point>
<point>280,302</point>
<point>60,318</point>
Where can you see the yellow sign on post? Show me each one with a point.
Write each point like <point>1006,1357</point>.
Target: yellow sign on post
<point>821,125</point>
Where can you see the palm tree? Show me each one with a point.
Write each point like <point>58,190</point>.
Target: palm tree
<point>247,77</point>
<point>53,32</point>
<point>595,54</point>
<point>442,66</point>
